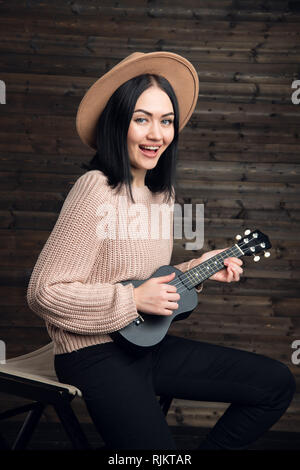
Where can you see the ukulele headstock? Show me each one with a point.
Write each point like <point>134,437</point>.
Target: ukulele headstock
<point>253,243</point>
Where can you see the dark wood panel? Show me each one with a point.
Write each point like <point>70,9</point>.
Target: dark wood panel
<point>198,128</point>
<point>60,85</point>
<point>33,241</point>
<point>253,19</point>
<point>272,268</point>
<point>278,206</point>
<point>19,317</point>
<point>36,144</point>
<point>35,84</point>
<point>203,172</point>
<point>106,47</point>
<point>237,187</point>
<point>206,111</point>
<point>69,163</point>
<point>281,11</point>
<point>11,180</point>
<point>207,70</point>
<point>20,341</point>
<point>191,413</point>
<point>241,171</point>
<point>111,47</point>
<point>260,306</point>
<point>210,7</point>
<point>226,228</point>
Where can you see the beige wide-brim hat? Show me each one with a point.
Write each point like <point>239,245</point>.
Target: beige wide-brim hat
<point>179,72</point>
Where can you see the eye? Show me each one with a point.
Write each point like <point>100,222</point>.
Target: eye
<point>167,122</point>
<point>140,120</point>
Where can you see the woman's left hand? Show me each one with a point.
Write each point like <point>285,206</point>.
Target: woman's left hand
<point>232,271</point>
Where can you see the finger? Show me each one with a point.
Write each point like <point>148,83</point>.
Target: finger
<point>236,276</point>
<point>235,260</point>
<point>172,305</point>
<point>173,297</point>
<point>166,278</point>
<point>234,266</point>
<point>236,269</point>
<point>170,288</point>
<point>229,274</point>
<point>165,311</point>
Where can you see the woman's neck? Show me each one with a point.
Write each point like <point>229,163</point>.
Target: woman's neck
<point>138,180</point>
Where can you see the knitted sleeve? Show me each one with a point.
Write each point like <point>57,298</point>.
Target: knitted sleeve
<point>58,290</point>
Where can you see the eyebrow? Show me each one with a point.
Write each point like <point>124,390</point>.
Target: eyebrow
<point>150,114</point>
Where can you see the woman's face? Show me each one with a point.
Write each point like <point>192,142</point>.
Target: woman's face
<point>151,129</point>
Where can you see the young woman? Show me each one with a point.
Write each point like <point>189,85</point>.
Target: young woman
<point>132,116</point>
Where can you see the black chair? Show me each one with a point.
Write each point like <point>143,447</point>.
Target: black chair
<point>32,376</point>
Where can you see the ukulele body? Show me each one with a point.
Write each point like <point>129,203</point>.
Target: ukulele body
<point>144,334</point>
<point>148,330</point>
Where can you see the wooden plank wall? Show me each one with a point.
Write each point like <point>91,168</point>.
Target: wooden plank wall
<point>239,155</point>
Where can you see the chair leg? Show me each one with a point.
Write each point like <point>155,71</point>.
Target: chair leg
<point>28,427</point>
<point>165,403</point>
<point>3,443</point>
<point>71,424</point>
<point>17,411</point>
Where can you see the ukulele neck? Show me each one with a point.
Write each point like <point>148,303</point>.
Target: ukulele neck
<point>198,274</point>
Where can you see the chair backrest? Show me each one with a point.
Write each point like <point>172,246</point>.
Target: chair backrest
<point>37,365</point>
<point>39,362</point>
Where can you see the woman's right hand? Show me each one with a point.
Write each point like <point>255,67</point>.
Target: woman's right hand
<point>157,297</point>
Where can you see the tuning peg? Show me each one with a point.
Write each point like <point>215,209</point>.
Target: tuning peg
<point>256,258</point>
<point>238,237</point>
<point>247,232</point>
<point>267,254</point>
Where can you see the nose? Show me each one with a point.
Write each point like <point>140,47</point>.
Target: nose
<point>155,131</point>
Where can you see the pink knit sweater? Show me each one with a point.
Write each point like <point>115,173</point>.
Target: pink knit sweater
<point>75,284</point>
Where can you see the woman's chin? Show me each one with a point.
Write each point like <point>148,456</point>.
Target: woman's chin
<point>147,164</point>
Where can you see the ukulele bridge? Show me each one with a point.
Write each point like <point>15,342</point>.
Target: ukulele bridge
<point>138,320</point>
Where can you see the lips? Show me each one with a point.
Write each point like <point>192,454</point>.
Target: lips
<point>149,150</point>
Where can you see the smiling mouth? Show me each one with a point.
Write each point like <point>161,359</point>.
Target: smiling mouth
<point>149,150</point>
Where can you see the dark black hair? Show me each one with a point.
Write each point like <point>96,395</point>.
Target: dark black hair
<point>111,136</point>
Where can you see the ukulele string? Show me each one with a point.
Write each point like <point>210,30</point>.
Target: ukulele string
<point>208,263</point>
<point>202,270</point>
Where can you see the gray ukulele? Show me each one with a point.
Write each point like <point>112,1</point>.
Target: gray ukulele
<point>148,330</point>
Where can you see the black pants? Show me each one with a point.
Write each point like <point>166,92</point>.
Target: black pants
<point>120,388</point>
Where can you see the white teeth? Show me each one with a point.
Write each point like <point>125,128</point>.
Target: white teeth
<point>149,148</point>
